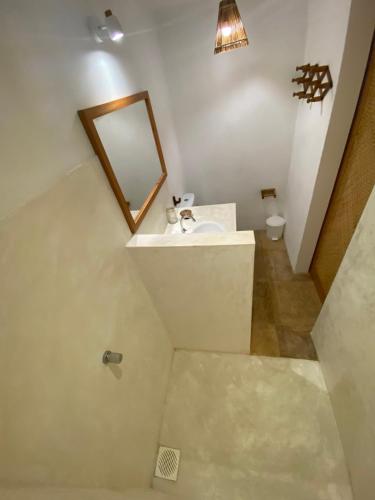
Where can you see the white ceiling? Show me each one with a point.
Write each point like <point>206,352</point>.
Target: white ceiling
<point>169,11</point>
<point>156,5</point>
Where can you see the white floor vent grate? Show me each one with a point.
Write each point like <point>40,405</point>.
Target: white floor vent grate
<point>167,463</point>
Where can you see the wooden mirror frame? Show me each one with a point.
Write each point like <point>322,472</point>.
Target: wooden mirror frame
<point>87,117</point>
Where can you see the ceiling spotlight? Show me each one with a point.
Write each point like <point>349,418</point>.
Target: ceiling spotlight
<point>111,30</point>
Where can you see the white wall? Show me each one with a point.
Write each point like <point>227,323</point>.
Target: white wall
<point>51,67</point>
<point>344,336</point>
<point>234,112</point>
<point>321,130</point>
<point>67,289</point>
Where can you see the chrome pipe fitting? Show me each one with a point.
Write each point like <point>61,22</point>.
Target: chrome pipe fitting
<point>112,357</point>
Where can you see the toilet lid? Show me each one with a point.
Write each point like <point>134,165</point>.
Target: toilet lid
<point>275,221</point>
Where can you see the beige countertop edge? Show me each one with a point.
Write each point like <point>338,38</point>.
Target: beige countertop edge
<point>192,240</point>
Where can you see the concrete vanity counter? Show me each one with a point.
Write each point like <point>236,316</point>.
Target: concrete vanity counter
<point>201,284</point>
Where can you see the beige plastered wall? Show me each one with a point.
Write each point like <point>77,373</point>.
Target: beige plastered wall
<point>69,292</point>
<point>67,288</point>
<point>344,336</point>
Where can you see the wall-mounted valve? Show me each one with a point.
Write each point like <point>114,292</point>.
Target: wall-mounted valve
<point>112,357</point>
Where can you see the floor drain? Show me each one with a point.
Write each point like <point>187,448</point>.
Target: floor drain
<point>167,463</point>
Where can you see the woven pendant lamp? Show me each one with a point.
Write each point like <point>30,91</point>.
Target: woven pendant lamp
<point>230,33</point>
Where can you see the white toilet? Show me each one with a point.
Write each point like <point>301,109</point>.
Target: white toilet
<point>275,227</point>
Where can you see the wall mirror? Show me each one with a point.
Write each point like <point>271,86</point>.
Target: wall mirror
<point>123,134</point>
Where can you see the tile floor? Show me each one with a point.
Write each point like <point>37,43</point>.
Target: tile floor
<point>285,305</point>
<point>251,428</point>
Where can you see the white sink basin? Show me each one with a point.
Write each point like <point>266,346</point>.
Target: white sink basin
<point>207,227</point>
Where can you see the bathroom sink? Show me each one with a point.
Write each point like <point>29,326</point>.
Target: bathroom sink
<point>207,227</point>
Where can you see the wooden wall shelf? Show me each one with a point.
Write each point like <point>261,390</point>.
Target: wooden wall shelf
<point>316,82</point>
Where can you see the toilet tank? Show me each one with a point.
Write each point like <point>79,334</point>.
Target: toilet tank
<point>187,200</point>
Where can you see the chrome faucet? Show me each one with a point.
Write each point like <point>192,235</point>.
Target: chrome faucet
<point>185,215</point>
